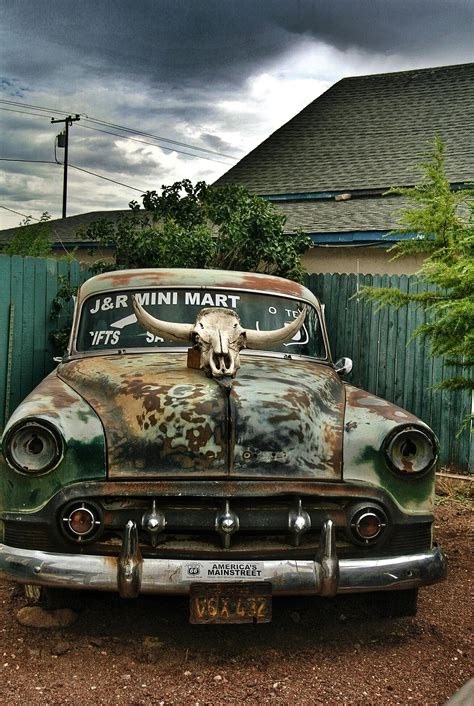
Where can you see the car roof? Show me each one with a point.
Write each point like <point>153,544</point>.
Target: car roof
<point>194,279</point>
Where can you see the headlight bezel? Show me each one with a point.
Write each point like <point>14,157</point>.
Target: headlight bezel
<point>355,514</point>
<point>410,434</point>
<point>36,427</point>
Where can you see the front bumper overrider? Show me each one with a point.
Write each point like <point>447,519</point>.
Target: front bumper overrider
<point>130,574</point>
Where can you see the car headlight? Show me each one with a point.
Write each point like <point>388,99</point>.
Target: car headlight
<point>33,446</point>
<point>411,450</point>
<point>367,523</point>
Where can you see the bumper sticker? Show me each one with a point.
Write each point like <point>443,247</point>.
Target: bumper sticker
<point>222,571</point>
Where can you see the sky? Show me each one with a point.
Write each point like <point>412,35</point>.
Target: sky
<point>210,78</point>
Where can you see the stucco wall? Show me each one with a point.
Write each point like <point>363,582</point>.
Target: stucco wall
<point>366,260</point>
<point>371,260</point>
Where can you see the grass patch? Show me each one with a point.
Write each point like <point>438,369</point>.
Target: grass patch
<point>448,489</point>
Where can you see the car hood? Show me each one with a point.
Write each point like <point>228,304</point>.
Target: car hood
<point>281,418</point>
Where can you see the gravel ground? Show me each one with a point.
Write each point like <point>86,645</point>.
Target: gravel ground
<point>314,652</point>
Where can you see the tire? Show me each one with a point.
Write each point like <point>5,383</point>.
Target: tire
<point>55,598</point>
<point>397,604</point>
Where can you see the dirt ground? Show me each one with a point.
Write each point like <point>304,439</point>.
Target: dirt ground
<point>314,652</point>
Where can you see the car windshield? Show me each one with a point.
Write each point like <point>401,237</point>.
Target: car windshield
<point>108,322</point>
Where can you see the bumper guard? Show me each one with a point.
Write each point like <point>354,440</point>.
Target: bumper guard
<point>130,574</point>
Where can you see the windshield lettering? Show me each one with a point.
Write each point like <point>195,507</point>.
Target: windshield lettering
<point>108,321</point>
<point>211,299</point>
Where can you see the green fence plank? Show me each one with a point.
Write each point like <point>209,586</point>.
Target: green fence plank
<point>5,303</point>
<point>40,319</point>
<point>342,306</point>
<point>360,331</point>
<point>382,352</point>
<point>427,372</point>
<point>400,348</point>
<point>51,290</point>
<point>410,350</point>
<point>28,324</point>
<point>333,304</point>
<point>420,353</point>
<point>367,338</point>
<point>436,420</point>
<point>391,349</point>
<point>325,296</point>
<point>373,369</point>
<point>347,347</point>
<point>17,300</point>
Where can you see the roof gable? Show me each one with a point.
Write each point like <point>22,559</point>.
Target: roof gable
<point>366,133</point>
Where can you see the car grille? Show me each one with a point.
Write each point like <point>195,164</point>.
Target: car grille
<point>190,530</point>
<point>27,536</point>
<point>411,538</point>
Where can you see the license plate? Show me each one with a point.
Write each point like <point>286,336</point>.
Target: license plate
<point>231,603</point>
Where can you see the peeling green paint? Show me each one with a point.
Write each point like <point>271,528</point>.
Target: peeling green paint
<point>368,421</point>
<point>405,491</point>
<point>84,457</point>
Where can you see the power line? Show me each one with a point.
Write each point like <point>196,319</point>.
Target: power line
<point>23,112</point>
<point>18,213</point>
<point>123,128</point>
<point>37,107</point>
<point>29,161</point>
<point>153,144</point>
<point>158,137</point>
<point>134,139</point>
<point>100,176</point>
<point>73,166</point>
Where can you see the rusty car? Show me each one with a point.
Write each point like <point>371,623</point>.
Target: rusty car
<point>196,438</point>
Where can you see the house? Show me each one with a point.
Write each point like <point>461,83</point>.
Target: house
<point>328,169</point>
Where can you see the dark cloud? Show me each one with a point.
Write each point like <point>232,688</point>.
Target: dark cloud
<point>181,42</point>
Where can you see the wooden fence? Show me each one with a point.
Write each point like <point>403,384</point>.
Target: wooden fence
<point>386,362</point>
<point>28,286</point>
<point>389,362</point>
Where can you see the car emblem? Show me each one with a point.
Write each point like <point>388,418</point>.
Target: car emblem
<point>193,569</point>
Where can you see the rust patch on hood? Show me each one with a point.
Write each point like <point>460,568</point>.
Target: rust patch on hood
<point>282,419</point>
<point>160,417</point>
<point>378,406</point>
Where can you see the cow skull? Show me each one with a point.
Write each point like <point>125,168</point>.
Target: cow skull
<point>218,335</point>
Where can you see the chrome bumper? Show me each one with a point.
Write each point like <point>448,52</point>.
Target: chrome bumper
<point>130,574</point>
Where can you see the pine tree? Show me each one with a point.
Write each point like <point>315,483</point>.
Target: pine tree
<point>443,221</point>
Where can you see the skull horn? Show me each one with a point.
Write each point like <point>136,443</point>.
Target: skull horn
<point>164,329</point>
<point>262,339</point>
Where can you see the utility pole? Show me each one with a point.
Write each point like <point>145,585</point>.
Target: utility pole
<point>67,122</point>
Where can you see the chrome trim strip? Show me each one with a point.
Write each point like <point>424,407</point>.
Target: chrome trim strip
<point>288,577</point>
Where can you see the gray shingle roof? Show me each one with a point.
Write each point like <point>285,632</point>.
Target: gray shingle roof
<point>66,230</point>
<point>366,132</point>
<point>364,214</point>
